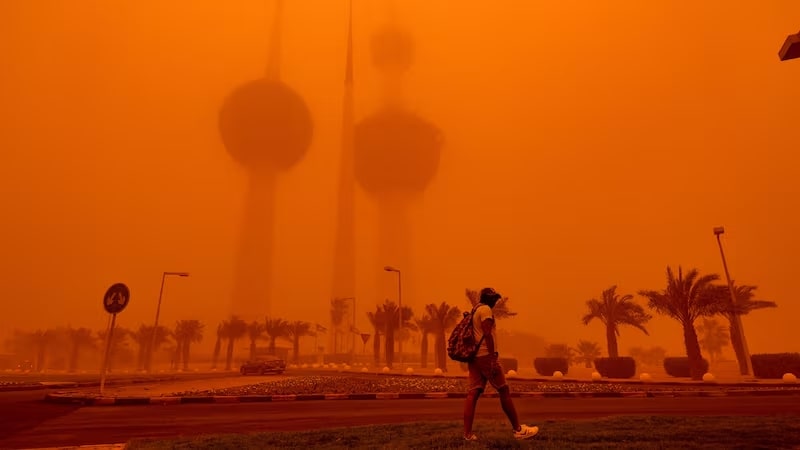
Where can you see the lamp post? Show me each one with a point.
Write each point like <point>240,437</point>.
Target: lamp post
<point>164,276</point>
<point>790,48</point>
<point>399,310</point>
<point>718,231</point>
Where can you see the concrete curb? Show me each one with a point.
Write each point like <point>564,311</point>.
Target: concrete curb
<point>221,399</point>
<point>41,385</point>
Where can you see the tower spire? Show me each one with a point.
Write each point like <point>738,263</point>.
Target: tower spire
<point>344,258</point>
<point>274,56</point>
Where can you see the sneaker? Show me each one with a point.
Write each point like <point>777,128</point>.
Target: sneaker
<point>526,432</point>
<point>470,437</point>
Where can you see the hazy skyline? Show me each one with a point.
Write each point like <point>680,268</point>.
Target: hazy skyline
<point>586,145</point>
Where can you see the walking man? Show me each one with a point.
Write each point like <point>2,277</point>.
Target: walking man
<point>486,368</point>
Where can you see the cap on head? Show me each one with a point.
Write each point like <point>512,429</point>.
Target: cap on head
<point>489,295</point>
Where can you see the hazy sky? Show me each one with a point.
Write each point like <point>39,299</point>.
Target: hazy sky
<point>587,144</point>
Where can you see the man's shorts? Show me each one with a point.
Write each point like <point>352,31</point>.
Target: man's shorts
<point>480,372</point>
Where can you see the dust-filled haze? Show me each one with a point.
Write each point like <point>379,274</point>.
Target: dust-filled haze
<point>585,144</point>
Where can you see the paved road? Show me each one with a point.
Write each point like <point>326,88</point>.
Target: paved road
<point>59,425</point>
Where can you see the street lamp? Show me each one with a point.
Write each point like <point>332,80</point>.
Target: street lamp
<point>158,311</point>
<point>718,231</point>
<point>399,310</point>
<point>790,48</point>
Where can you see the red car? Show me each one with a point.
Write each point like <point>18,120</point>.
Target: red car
<point>263,365</point>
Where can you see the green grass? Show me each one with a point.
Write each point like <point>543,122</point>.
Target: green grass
<point>625,432</point>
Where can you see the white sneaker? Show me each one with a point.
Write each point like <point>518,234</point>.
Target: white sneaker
<point>525,432</point>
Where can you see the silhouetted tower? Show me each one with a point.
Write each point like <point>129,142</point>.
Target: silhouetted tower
<point>267,128</point>
<point>344,259</point>
<point>396,155</point>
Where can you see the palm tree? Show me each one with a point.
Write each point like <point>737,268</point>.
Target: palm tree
<point>79,338</point>
<point>339,308</point>
<point>186,333</point>
<point>378,322</point>
<point>218,344</point>
<point>443,318</point>
<point>276,328</point>
<point>714,338</point>
<point>142,337</point>
<point>500,310</point>
<point>685,299</point>
<point>392,316</point>
<point>744,305</point>
<point>587,352</point>
<point>234,329</point>
<point>295,330</point>
<point>613,311</point>
<point>255,331</point>
<point>653,356</point>
<point>425,327</point>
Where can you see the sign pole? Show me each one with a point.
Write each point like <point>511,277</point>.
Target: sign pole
<point>108,350</point>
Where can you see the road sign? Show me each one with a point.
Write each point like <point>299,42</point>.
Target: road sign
<point>116,298</point>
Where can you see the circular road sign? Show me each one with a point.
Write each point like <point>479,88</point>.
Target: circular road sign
<point>116,298</point>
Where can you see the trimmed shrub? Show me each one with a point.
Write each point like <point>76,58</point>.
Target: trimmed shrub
<point>774,365</point>
<point>509,364</point>
<point>678,366</point>
<point>546,366</point>
<point>619,367</point>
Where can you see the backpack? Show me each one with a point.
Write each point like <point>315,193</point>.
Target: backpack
<point>461,345</point>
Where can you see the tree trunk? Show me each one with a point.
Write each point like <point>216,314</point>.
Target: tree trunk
<point>296,349</point>
<point>588,363</point>
<point>176,357</point>
<point>736,343</point>
<point>376,347</point>
<point>272,345</point>
<point>423,351</point>
<point>611,337</point>
<point>217,349</point>
<point>693,352</point>
<point>185,351</point>
<point>441,351</point>
<point>229,355</point>
<point>252,349</point>
<point>73,359</point>
<point>389,347</point>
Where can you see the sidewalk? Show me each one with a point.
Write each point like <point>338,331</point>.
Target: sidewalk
<point>193,390</point>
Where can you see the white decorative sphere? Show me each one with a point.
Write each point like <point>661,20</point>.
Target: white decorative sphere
<point>386,369</point>
<point>511,373</point>
<point>645,377</point>
<point>708,377</point>
<point>409,370</point>
<point>438,372</point>
<point>596,376</point>
<point>347,367</point>
<point>364,369</point>
<point>789,378</point>
<point>558,374</point>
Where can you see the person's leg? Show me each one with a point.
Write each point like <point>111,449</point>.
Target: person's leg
<point>508,406</point>
<point>498,381</point>
<point>476,383</point>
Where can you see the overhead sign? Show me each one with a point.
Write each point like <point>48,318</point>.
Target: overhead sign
<point>116,298</point>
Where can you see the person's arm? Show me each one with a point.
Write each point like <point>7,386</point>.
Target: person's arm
<point>486,327</point>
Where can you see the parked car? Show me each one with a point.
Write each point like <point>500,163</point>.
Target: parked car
<point>263,365</point>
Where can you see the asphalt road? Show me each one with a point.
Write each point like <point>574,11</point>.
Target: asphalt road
<point>28,422</point>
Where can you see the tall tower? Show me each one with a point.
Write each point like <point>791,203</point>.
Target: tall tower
<point>344,259</point>
<point>266,127</point>
<point>396,156</point>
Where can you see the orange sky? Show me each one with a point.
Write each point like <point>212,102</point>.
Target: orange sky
<point>587,144</point>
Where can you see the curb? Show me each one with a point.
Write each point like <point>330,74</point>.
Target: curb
<point>221,399</point>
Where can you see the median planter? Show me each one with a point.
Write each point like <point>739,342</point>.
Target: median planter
<point>678,366</point>
<point>546,366</point>
<point>774,365</point>
<point>619,367</point>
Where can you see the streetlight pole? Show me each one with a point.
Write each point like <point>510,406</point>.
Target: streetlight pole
<point>164,276</point>
<point>399,310</point>
<point>718,231</point>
